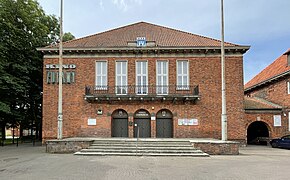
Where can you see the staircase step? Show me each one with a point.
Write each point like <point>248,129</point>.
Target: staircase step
<point>143,154</point>
<point>142,150</point>
<point>141,147</point>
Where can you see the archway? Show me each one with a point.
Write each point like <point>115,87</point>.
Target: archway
<point>119,123</point>
<point>164,124</point>
<point>257,133</point>
<point>142,122</point>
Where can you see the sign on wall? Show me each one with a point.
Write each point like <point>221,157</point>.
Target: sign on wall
<point>52,73</point>
<point>92,122</point>
<point>187,122</point>
<point>277,120</point>
<point>141,41</point>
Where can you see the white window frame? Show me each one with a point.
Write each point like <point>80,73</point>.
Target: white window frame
<point>104,85</point>
<point>288,87</point>
<point>184,86</point>
<point>123,88</point>
<point>144,90</point>
<point>288,121</point>
<point>164,86</point>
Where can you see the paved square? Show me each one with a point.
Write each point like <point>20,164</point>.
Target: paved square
<point>254,162</point>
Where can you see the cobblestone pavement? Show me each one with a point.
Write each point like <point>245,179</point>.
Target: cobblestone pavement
<point>254,162</point>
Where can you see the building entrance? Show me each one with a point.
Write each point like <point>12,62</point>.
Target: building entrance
<point>257,133</point>
<point>164,124</point>
<point>142,123</point>
<point>119,123</point>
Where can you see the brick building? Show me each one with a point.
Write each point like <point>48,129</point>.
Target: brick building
<point>267,101</point>
<point>166,81</point>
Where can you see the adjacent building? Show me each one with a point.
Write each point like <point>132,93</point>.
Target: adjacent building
<point>144,80</point>
<point>267,101</point>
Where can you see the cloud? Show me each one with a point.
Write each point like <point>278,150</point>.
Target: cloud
<point>124,5</point>
<point>102,5</point>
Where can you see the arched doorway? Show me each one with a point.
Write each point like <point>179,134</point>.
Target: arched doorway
<point>257,132</point>
<point>142,121</point>
<point>119,123</point>
<point>164,124</point>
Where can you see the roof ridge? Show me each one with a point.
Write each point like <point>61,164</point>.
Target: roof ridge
<point>95,34</point>
<point>263,70</point>
<point>267,102</point>
<point>142,22</point>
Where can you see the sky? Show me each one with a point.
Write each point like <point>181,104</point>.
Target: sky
<point>262,24</point>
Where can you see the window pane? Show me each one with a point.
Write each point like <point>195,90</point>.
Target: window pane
<point>179,80</point>
<point>179,67</point>
<point>185,80</point>
<point>164,80</point>
<point>144,68</point>
<point>185,67</point>
<point>118,68</point>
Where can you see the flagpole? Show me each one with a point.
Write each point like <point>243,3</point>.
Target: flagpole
<point>224,107</point>
<point>60,115</point>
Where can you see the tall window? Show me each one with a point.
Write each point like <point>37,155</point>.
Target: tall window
<point>288,87</point>
<point>101,75</point>
<point>121,77</point>
<point>182,75</point>
<point>141,77</point>
<point>162,77</point>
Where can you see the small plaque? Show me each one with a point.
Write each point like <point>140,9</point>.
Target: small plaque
<point>92,122</point>
<point>153,118</point>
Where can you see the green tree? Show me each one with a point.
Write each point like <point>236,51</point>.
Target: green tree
<point>23,27</point>
<point>67,37</point>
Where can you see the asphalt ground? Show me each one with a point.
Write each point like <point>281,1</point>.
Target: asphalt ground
<point>32,163</point>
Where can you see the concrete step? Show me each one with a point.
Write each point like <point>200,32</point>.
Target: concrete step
<point>141,147</point>
<point>141,142</point>
<point>142,154</point>
<point>144,145</point>
<point>145,148</point>
<point>142,150</point>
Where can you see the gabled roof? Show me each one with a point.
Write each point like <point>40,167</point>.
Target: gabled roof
<point>275,70</point>
<point>162,36</point>
<point>255,103</point>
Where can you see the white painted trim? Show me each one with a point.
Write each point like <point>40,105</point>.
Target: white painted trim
<point>141,79</point>
<point>121,78</point>
<point>187,74</point>
<point>288,87</point>
<point>167,77</point>
<point>288,121</point>
<point>145,56</point>
<point>105,88</point>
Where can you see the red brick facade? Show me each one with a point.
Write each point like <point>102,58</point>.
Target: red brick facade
<point>271,85</point>
<point>204,71</point>
<point>203,107</point>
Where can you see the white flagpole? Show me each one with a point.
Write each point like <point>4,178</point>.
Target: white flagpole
<point>60,116</point>
<point>224,107</point>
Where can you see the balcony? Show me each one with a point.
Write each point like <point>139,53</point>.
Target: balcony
<point>172,93</point>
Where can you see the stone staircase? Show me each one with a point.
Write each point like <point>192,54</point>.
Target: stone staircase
<point>144,147</point>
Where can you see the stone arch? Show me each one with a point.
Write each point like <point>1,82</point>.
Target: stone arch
<point>119,123</point>
<point>142,123</point>
<point>164,124</point>
<point>258,132</point>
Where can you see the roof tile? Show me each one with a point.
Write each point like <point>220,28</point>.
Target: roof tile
<point>279,66</point>
<point>163,36</point>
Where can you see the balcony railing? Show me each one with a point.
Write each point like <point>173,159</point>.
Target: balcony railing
<point>133,92</point>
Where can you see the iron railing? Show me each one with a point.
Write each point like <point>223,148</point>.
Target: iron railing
<point>150,90</point>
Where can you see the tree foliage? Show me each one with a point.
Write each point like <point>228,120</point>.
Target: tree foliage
<point>67,37</point>
<point>23,27</point>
